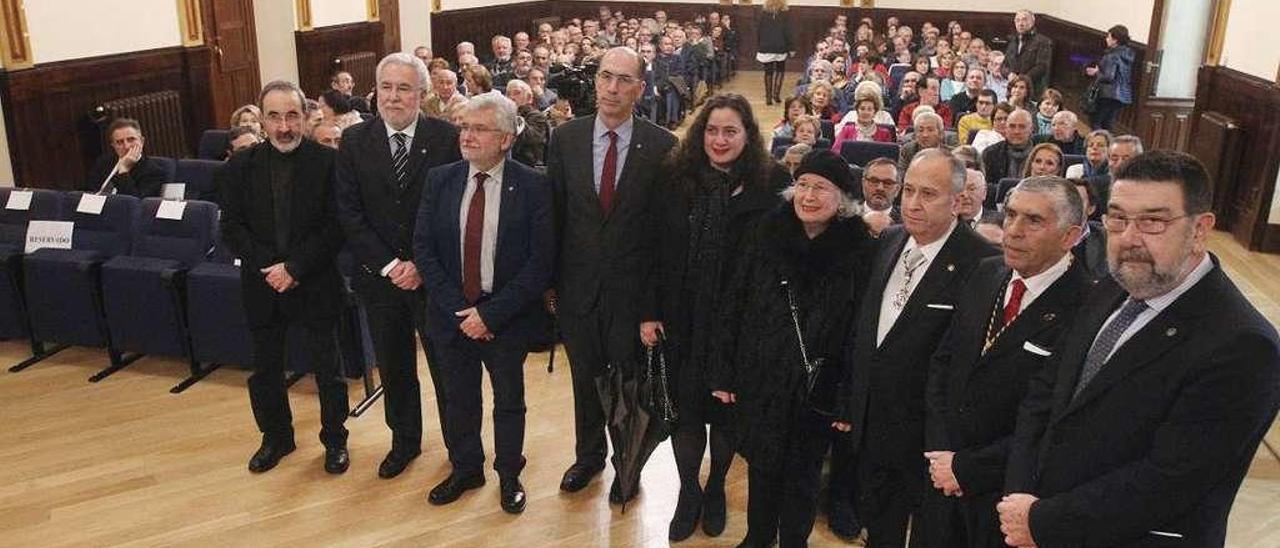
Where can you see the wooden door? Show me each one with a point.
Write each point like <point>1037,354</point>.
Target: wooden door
<point>1162,120</point>
<point>389,14</point>
<point>230,34</point>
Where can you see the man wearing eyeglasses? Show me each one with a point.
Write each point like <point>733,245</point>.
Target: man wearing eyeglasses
<point>981,117</point>
<point>880,188</point>
<point>1143,428</point>
<point>378,184</point>
<point>604,171</point>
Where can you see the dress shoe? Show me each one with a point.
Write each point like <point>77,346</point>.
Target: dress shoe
<point>615,493</point>
<point>685,520</point>
<point>453,487</point>
<point>395,463</point>
<point>336,460</point>
<point>578,476</point>
<point>513,496</point>
<point>713,510</point>
<point>269,455</point>
<point>843,521</point>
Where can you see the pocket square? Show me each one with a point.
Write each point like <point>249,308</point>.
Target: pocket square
<point>1166,534</point>
<point>941,306</point>
<point>1032,348</point>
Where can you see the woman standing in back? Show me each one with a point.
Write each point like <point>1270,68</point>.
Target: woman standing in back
<point>773,34</point>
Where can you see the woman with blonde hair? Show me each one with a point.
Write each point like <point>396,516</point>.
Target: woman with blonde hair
<point>773,34</point>
<point>248,115</point>
<point>478,80</point>
<point>1045,160</point>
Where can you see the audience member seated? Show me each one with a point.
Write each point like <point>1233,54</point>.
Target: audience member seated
<point>793,109</point>
<point>1045,160</point>
<point>130,170</point>
<point>337,109</point>
<point>865,128</point>
<point>344,83</point>
<point>1019,94</point>
<point>477,80</point>
<point>502,66</point>
<point>969,208</point>
<point>807,130</point>
<point>999,124</point>
<point>791,158</point>
<point>1006,158</point>
<point>423,53</point>
<point>1050,104</point>
<point>314,116</point>
<point>880,186</point>
<point>928,134</point>
<point>240,138</point>
<point>819,71</point>
<point>997,79</point>
<point>328,134</point>
<point>991,230</point>
<point>667,65</point>
<point>542,96</point>
<point>966,101</point>
<point>956,81</point>
<point>560,112</point>
<point>928,97</point>
<point>908,92</point>
<point>444,97</point>
<point>821,99</point>
<point>248,116</point>
<point>867,89</point>
<point>1063,133</point>
<point>531,139</point>
<point>969,155</point>
<point>970,124</point>
<point>1095,156</point>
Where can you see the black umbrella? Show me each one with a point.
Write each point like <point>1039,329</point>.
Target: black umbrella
<point>639,408</point>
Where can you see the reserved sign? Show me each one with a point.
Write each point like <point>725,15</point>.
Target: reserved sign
<point>53,234</point>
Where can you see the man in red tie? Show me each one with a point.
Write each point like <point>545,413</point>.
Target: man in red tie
<point>1006,326</point>
<point>483,242</point>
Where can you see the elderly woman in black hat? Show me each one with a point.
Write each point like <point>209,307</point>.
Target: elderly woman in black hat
<point>780,356</point>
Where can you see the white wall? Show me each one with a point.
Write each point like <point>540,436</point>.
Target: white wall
<point>1102,14</point>
<point>275,22</point>
<point>326,13</point>
<point>415,24</point>
<point>71,29</point>
<point>1252,44</point>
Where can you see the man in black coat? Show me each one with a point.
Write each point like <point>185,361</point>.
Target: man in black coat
<point>278,218</point>
<point>131,171</point>
<point>604,171</point>
<point>1091,250</point>
<point>1029,53</point>
<point>1007,323</point>
<point>1142,428</point>
<point>378,184</point>
<point>918,272</point>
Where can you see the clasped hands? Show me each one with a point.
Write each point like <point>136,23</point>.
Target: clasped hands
<point>473,325</point>
<point>942,474</point>
<point>278,278</point>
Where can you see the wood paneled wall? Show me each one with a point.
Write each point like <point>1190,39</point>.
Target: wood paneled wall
<point>318,48</point>
<point>52,139</point>
<point>1074,46</point>
<point>1255,104</point>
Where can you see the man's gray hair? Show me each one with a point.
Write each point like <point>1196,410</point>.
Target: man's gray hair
<point>519,84</point>
<point>1061,192</point>
<point>927,116</point>
<point>1069,116</point>
<point>284,85</point>
<point>1129,140</point>
<point>408,60</point>
<point>504,110</point>
<point>958,172</point>
<point>451,75</point>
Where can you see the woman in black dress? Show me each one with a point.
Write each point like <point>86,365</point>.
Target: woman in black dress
<point>722,181</point>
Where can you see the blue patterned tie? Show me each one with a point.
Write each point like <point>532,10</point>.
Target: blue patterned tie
<point>1107,341</point>
<point>400,158</point>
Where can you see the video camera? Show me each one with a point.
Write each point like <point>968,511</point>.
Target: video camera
<point>576,84</point>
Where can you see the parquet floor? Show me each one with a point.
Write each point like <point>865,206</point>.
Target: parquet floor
<point>125,463</point>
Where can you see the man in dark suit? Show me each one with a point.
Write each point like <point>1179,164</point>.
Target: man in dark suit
<point>1007,322</point>
<point>378,184</point>
<point>1091,250</point>
<point>486,294</point>
<point>916,278</point>
<point>880,186</point>
<point>1029,53</point>
<point>604,171</point>
<point>131,171</point>
<point>969,204</point>
<point>278,218</point>
<point>1142,429</point>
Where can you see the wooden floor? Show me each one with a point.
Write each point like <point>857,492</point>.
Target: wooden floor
<point>123,462</point>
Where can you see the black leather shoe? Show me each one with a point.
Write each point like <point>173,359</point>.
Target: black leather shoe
<point>615,493</point>
<point>685,520</point>
<point>395,463</point>
<point>713,510</point>
<point>843,521</point>
<point>269,455</point>
<point>513,496</point>
<point>578,476</point>
<point>453,487</point>
<point>336,460</point>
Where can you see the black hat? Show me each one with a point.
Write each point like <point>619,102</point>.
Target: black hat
<point>828,165</point>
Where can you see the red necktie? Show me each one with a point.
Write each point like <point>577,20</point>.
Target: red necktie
<point>471,242</point>
<point>1015,301</point>
<point>608,173</point>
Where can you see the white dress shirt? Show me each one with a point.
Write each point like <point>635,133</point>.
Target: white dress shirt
<point>1036,285</point>
<point>889,313</point>
<point>391,144</point>
<point>489,239</point>
<point>600,147</point>
<point>1156,305</point>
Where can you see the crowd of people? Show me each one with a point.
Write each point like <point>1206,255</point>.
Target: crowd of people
<point>1059,362</point>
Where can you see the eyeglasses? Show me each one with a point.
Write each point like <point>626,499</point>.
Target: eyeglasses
<point>815,189</point>
<point>1147,225</point>
<point>466,128</point>
<point>874,182</point>
<point>606,77</point>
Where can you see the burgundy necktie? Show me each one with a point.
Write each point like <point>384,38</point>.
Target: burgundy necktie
<point>1015,301</point>
<point>471,242</point>
<point>608,173</point>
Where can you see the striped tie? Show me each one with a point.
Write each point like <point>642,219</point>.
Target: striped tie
<point>400,159</point>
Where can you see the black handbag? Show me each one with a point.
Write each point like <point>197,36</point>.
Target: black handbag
<point>1089,100</point>
<point>819,396</point>
<point>658,396</point>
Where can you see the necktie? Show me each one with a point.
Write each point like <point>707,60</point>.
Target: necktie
<point>608,173</point>
<point>911,260</point>
<point>472,239</point>
<point>1107,341</point>
<point>1014,305</point>
<point>400,158</point>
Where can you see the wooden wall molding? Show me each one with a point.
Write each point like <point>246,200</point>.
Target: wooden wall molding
<point>15,44</point>
<point>302,11</point>
<point>371,10</point>
<point>190,23</point>
<point>318,48</point>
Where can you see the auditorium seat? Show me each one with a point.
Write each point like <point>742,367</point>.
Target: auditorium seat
<point>896,72</point>
<point>860,152</point>
<point>198,176</point>
<point>1002,190</point>
<point>169,165</point>
<point>45,205</point>
<point>213,144</point>
<point>144,293</point>
<point>215,315</point>
<point>64,286</point>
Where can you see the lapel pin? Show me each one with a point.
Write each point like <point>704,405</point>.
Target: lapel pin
<point>510,188</point>
<point>951,268</point>
<point>1171,332</point>
<point>422,151</point>
<point>1049,316</point>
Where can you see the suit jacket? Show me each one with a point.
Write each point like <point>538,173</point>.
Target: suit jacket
<point>1035,60</point>
<point>376,216</point>
<point>143,181</point>
<point>604,257</point>
<point>1091,252</point>
<point>522,262</point>
<point>886,400</point>
<point>1161,438</point>
<point>973,395</point>
<point>248,229</point>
